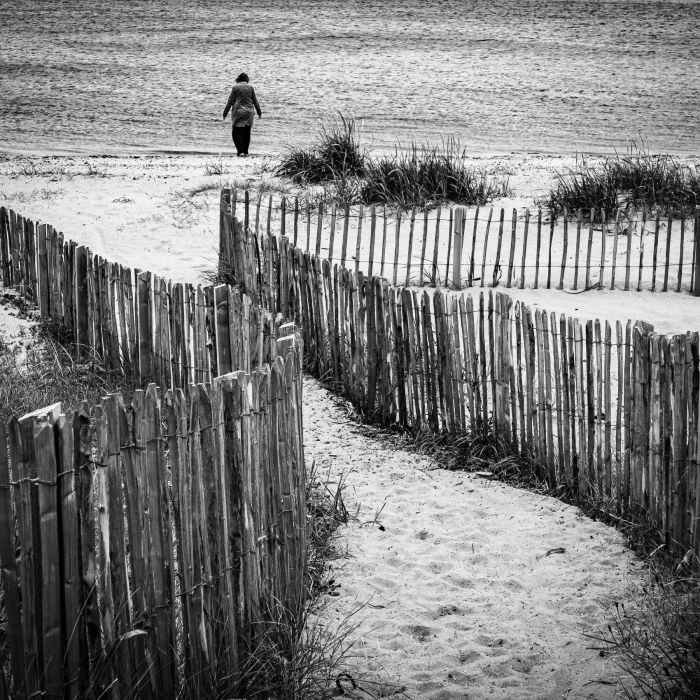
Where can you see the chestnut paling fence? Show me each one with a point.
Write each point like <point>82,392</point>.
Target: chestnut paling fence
<point>605,412</point>
<point>485,246</point>
<point>144,547</point>
<point>609,412</point>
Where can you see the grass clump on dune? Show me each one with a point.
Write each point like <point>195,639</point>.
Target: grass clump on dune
<point>427,175</point>
<point>637,180</point>
<point>420,175</point>
<point>336,155</point>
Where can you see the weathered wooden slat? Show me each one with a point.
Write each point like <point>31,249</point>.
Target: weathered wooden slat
<point>564,251</point>
<point>372,240</point>
<point>497,263</point>
<point>424,243</point>
<point>579,223</point>
<point>607,416</point>
<point>8,561</point>
<point>524,258</point>
<point>549,256</point>
<point>539,243</point>
<point>667,261</point>
<point>511,257</point>
<point>556,370</point>
<point>656,249</point>
<point>358,242</point>
<point>459,222</point>
<point>486,244</point>
<point>397,244</point>
<point>641,251</point>
<point>409,252</point>
<point>564,404</point>
<point>680,252</point>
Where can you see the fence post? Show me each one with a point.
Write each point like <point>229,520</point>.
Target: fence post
<point>143,306</point>
<point>460,216</point>
<point>696,254</point>
<point>43,272</point>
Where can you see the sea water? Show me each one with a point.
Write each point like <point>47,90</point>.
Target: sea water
<point>553,76</point>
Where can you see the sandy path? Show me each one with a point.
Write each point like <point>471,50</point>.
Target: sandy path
<point>461,601</point>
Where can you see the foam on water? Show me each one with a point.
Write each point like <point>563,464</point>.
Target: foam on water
<point>549,76</point>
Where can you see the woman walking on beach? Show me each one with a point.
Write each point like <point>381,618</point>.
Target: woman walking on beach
<point>242,101</point>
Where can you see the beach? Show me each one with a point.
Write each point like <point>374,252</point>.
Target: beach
<point>160,213</point>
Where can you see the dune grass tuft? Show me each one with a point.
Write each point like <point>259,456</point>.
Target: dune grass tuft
<point>425,176</point>
<point>420,175</point>
<point>52,370</point>
<point>637,180</point>
<point>336,155</point>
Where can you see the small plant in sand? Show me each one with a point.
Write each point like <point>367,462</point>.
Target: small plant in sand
<point>336,155</point>
<point>420,175</point>
<point>52,370</point>
<point>426,176</point>
<point>636,180</point>
<point>655,638</point>
<point>214,167</point>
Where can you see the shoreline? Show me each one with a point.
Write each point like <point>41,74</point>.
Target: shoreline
<point>475,154</point>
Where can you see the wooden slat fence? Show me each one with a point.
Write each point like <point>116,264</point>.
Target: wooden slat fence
<point>142,547</point>
<point>153,539</point>
<point>169,333</point>
<point>607,412</point>
<point>487,247</point>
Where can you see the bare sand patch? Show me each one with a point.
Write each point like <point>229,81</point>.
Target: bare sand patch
<point>160,213</point>
<point>461,599</point>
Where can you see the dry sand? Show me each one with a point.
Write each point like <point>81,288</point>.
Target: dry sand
<point>461,599</point>
<point>160,213</point>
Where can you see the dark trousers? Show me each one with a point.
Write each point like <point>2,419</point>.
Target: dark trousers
<point>241,138</point>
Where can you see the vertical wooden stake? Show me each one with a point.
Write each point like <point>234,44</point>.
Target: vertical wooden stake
<point>522,267</point>
<point>372,240</point>
<point>397,240</point>
<point>421,279</point>
<point>656,249</point>
<point>641,251</point>
<point>269,216</point>
<point>590,250</point>
<point>283,217</point>
<point>668,250</point>
<point>434,273</point>
<point>458,238</point>
<point>604,236</point>
<point>472,259</point>
<point>334,214</point>
<point>578,247</point>
<point>549,259</point>
<point>486,245</point>
<point>381,269</point>
<point>319,229</point>
<point>346,227</point>
<point>308,226</point>
<point>497,264</point>
<point>616,232</point>
<point>695,283</point>
<point>628,257</point>
<point>563,256</point>
<point>358,246</point>
<point>539,241</point>
<point>410,246</point>
<point>296,220</point>
<point>680,255</point>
